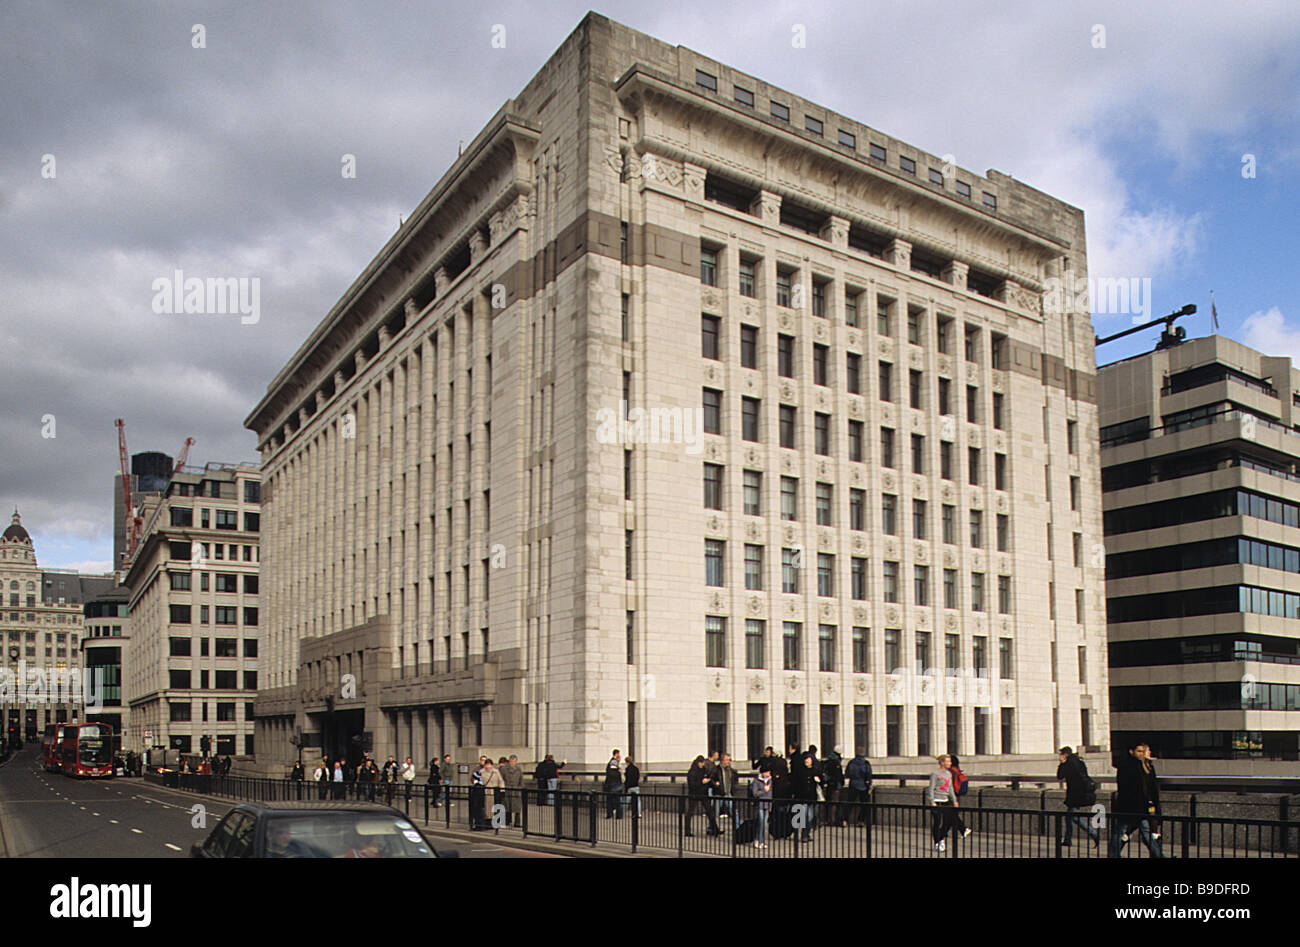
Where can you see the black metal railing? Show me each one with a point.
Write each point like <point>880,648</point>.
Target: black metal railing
<point>676,824</point>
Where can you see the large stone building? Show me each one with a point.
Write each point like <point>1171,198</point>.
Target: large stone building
<point>859,508</point>
<point>1200,447</point>
<point>191,663</point>
<point>104,641</point>
<point>40,627</point>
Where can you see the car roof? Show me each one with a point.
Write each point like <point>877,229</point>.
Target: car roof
<point>302,807</point>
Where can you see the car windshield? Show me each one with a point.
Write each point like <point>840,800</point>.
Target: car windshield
<point>343,835</point>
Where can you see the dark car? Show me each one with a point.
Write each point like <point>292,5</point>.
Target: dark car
<point>316,830</point>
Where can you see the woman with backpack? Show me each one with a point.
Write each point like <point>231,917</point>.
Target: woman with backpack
<point>962,785</point>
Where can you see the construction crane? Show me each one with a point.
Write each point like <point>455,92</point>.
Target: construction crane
<point>133,529</point>
<point>1173,335</point>
<point>183,456</point>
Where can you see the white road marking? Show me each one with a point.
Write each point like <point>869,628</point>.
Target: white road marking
<point>94,813</point>
<point>114,821</point>
<point>137,832</point>
<point>174,848</point>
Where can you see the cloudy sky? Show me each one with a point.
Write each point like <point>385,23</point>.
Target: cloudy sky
<point>128,153</point>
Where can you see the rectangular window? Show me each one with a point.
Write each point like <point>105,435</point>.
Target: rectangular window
<point>857,508</point>
<point>1072,436</point>
<point>714,551</point>
<point>1004,659</point>
<point>715,641</point>
<point>825,574</point>
<point>713,486</point>
<point>785,356</point>
<point>753,567</point>
<point>755,643</point>
<point>893,664</point>
<point>855,441</point>
<point>179,647</point>
<point>749,418</point>
<point>627,560</point>
<point>997,410</point>
<point>977,529</point>
<point>973,464</point>
<point>972,404</point>
<point>936,176</point>
<point>919,530</point>
<point>753,490</point>
<point>858,578</point>
<point>972,343</point>
<point>783,278</point>
<point>709,337</point>
<point>780,112</point>
<point>624,313</point>
<point>824,504</point>
<point>945,460</point>
<point>951,655</point>
<point>990,201</point>
<point>820,355</point>
<point>227,519</point>
<point>1078,606</point>
<point>848,139</point>
<point>819,298</point>
<point>706,81</point>
<point>826,647</point>
<point>787,425</point>
<point>861,650</point>
<point>1083,666</point>
<point>851,306</point>
<point>853,373</point>
<point>963,189</point>
<point>813,125</point>
<point>889,514</point>
<point>949,521</point>
<point>225,648</point>
<point>943,334</point>
<point>889,572</point>
<point>878,152</point>
<point>227,582</point>
<point>1004,595</point>
<point>708,266</point>
<point>748,346</point>
<point>914,325</point>
<point>914,382</point>
<point>922,652</point>
<point>712,411</point>
<point>1074,493</point>
<point>790,644</point>
<point>822,434</point>
<point>886,379</point>
<point>921,585</point>
<point>790,498</point>
<point>790,561</point>
<point>179,614</point>
<point>906,165</point>
<point>945,396</point>
<point>744,97</point>
<point>180,581</point>
<point>1076,545</point>
<point>884,315</point>
<point>748,278</point>
<point>918,454</point>
<point>1000,471</point>
<point>630,635</point>
<point>977,591</point>
<point>1004,533</point>
<point>887,447</point>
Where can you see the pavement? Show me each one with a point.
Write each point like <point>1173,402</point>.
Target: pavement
<point>49,815</point>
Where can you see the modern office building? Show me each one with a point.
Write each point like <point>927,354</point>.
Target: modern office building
<point>150,471</point>
<point>191,663</point>
<point>40,627</point>
<point>1200,447</point>
<point>684,413</point>
<point>104,640</point>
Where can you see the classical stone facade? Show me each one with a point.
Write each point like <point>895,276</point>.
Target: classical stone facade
<point>40,627</point>
<point>1201,472</point>
<point>191,662</point>
<point>595,452</point>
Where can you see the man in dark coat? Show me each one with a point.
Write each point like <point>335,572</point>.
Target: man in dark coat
<point>1080,793</point>
<point>832,786</point>
<point>1137,802</point>
<point>698,783</point>
<point>803,786</point>
<point>613,787</point>
<point>858,774</point>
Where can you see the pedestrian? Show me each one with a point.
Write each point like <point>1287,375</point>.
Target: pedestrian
<point>832,787</point>
<point>477,800</point>
<point>1137,802</point>
<point>547,775</point>
<point>446,777</point>
<point>961,786</point>
<point>939,795</point>
<point>727,787</point>
<point>366,777</point>
<point>764,763</point>
<point>760,790</point>
<point>493,783</point>
<point>613,787</point>
<point>435,776</point>
<point>632,784</point>
<point>408,778</point>
<point>1080,793</point>
<point>338,779</point>
<point>711,766</point>
<point>858,773</point>
<point>388,776</point>
<point>803,786</point>
<point>512,774</point>
<point>322,776</point>
<point>297,774</point>
<point>697,795</point>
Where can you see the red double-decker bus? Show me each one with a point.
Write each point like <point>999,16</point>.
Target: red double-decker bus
<point>87,750</point>
<point>52,748</point>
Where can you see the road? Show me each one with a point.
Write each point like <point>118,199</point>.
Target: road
<point>48,815</point>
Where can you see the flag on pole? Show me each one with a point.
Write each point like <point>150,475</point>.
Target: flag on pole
<point>1214,313</point>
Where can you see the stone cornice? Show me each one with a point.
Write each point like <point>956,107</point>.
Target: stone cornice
<point>642,83</point>
<point>501,151</point>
